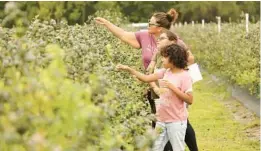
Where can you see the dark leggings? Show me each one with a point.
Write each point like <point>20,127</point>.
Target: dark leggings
<point>190,137</point>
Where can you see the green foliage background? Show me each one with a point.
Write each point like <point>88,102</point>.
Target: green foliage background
<point>136,11</point>
<point>232,53</point>
<point>59,90</point>
<point>58,86</point>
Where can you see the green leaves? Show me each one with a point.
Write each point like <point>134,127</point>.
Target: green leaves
<point>231,53</point>
<point>59,90</point>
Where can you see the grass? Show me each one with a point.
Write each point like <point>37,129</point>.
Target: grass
<point>215,126</point>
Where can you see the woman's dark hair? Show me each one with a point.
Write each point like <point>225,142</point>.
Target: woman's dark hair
<point>171,36</point>
<point>177,55</point>
<point>166,19</point>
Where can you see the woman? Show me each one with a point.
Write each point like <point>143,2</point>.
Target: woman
<point>146,40</point>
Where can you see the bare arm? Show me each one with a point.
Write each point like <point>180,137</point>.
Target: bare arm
<point>128,37</point>
<point>191,58</point>
<point>152,64</point>
<point>187,97</point>
<point>150,70</point>
<point>139,75</point>
<point>155,87</point>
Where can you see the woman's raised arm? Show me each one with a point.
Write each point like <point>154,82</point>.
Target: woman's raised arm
<point>128,37</point>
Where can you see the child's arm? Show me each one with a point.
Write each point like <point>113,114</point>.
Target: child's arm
<point>139,75</point>
<point>150,70</point>
<point>191,58</point>
<point>151,67</point>
<point>187,97</point>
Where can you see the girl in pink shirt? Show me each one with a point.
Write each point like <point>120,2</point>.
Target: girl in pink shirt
<point>176,90</point>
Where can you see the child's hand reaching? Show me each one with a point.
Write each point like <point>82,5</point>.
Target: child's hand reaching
<point>122,67</point>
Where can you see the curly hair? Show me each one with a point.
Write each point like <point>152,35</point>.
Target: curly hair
<point>177,55</point>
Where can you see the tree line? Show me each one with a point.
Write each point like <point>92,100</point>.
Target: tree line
<point>135,11</point>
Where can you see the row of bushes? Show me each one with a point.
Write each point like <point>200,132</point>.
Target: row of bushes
<point>59,90</point>
<point>232,53</point>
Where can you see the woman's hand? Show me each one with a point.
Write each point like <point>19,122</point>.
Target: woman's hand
<point>101,21</point>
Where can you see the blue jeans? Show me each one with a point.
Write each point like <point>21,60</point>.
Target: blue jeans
<point>173,132</point>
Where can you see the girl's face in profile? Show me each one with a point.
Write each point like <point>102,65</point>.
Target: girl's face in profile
<point>163,41</point>
<point>165,62</point>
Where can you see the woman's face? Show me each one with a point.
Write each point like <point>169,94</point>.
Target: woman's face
<point>163,41</point>
<point>153,28</point>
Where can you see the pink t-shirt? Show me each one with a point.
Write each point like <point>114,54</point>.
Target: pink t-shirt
<point>171,108</point>
<point>148,45</point>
